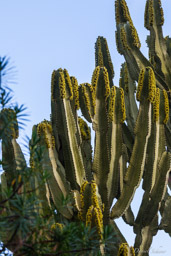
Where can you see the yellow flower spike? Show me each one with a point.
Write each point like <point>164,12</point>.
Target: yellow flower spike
<point>99,222</point>
<point>117,14</point>
<point>108,56</point>
<point>132,251</point>
<point>123,250</point>
<point>126,77</point>
<point>127,17</point>
<point>68,84</point>
<point>124,39</point>
<point>125,10</point>
<point>122,106</point>
<point>112,103</point>
<point>107,83</point>
<point>151,13</point>
<point>84,129</point>
<point>95,77</point>
<point>100,55</point>
<point>89,216</point>
<point>85,97</point>
<point>166,107</point>
<point>82,189</point>
<point>75,90</point>
<point>156,105</point>
<point>62,85</point>
<point>140,84</point>
<point>151,85</point>
<point>43,128</point>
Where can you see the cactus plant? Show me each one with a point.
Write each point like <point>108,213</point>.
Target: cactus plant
<point>132,142</point>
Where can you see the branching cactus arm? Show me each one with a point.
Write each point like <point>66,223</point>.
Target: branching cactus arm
<point>102,57</point>
<point>66,126</point>
<point>154,19</point>
<point>128,43</point>
<point>129,88</point>
<point>146,95</point>
<point>50,164</point>
<point>117,116</point>
<point>100,167</point>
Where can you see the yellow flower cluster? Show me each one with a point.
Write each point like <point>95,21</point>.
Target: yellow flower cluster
<point>85,97</point>
<point>85,132</point>
<point>82,189</point>
<point>166,107</point>
<point>68,84</point>
<point>151,13</point>
<point>62,84</point>
<point>126,77</point>
<point>122,106</point>
<point>53,83</point>
<point>146,16</point>
<point>107,84</point>
<point>108,57</point>
<point>75,91</point>
<point>161,17</point>
<point>89,215</point>
<point>123,250</point>
<point>94,214</point>
<point>43,128</point>
<point>140,84</point>
<point>132,251</point>
<point>136,41</point>
<point>57,225</point>
<point>95,77</point>
<point>112,103</point>
<point>97,210</point>
<point>125,10</point>
<point>151,85</point>
<point>156,105</point>
<point>124,39</point>
<point>117,14</point>
<point>161,14</point>
<point>99,53</point>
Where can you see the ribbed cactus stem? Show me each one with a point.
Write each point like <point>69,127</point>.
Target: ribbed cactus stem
<point>123,16</point>
<point>103,58</point>
<point>85,131</point>
<point>153,14</point>
<point>56,183</point>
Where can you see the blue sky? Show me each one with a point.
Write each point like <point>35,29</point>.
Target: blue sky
<point>43,35</point>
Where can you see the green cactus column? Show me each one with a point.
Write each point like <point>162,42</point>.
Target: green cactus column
<point>146,95</point>
<point>65,127</point>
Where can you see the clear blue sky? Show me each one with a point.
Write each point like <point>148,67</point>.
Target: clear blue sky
<point>43,35</point>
